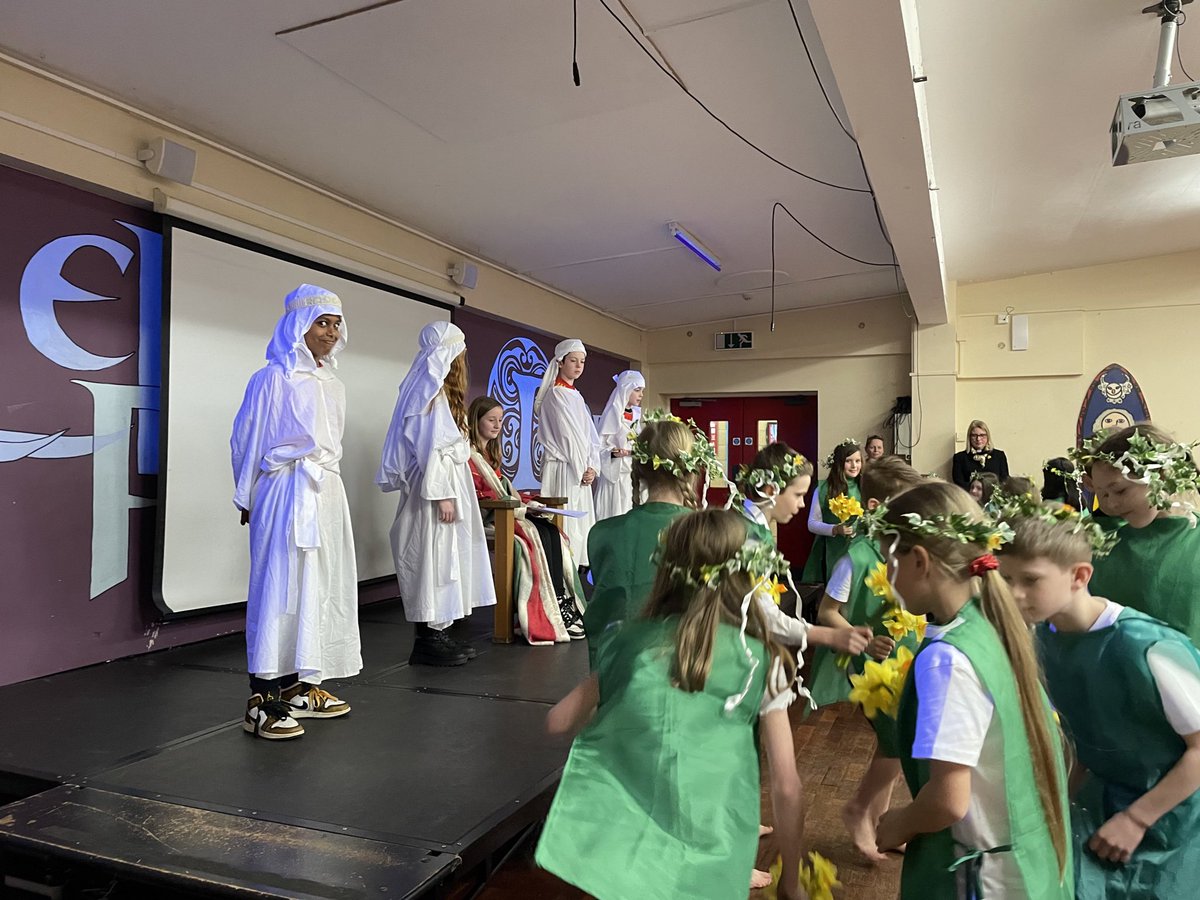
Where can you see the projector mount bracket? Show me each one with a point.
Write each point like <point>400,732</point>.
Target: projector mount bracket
<point>1168,11</point>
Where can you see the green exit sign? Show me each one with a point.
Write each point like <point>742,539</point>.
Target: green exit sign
<point>733,340</point>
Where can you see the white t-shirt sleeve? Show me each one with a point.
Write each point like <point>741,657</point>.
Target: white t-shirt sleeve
<point>954,710</point>
<point>840,580</point>
<point>816,521</point>
<point>1178,679</point>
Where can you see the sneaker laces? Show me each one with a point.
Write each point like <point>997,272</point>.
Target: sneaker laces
<point>317,697</point>
<point>276,708</point>
<point>566,606</point>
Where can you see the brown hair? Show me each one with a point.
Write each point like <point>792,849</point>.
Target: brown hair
<point>1037,537</point>
<point>884,478</point>
<point>455,389</point>
<point>1016,485</point>
<point>990,481</point>
<point>773,456</point>
<point>490,450</point>
<point>1118,442</point>
<point>1000,609</point>
<point>876,437</point>
<point>837,474</point>
<point>706,538</point>
<point>671,441</point>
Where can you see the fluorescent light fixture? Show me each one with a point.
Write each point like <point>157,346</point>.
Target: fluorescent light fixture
<point>690,241</point>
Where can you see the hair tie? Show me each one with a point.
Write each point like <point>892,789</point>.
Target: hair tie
<point>982,564</point>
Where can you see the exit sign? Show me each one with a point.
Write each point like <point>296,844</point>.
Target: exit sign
<point>733,340</point>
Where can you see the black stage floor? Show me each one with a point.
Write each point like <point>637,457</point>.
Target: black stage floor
<point>434,769</point>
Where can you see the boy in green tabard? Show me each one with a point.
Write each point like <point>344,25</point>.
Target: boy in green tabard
<point>1128,690</point>
<point>853,598</point>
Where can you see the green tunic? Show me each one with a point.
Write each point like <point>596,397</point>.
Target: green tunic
<point>619,550</point>
<point>831,682</point>
<point>827,550</point>
<point>1101,683</point>
<point>659,799</point>
<point>1158,569</point>
<point>927,860</point>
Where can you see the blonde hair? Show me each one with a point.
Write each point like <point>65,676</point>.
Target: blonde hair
<point>886,477</point>
<point>1000,609</point>
<point>455,389</point>
<point>979,423</point>
<point>665,439</point>
<point>706,538</point>
<point>489,450</point>
<point>1040,537</point>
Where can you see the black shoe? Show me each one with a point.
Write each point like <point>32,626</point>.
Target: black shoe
<point>466,647</point>
<point>572,620</point>
<point>436,648</point>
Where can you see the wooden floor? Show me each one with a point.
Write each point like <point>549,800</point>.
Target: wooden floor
<point>833,747</point>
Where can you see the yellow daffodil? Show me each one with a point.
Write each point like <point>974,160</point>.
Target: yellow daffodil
<point>819,878</point>
<point>842,660</point>
<point>880,685</point>
<point>845,507</point>
<point>778,589</point>
<point>878,583</point>
<point>900,623</point>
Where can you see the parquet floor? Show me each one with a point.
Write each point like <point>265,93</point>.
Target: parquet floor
<point>833,747</point>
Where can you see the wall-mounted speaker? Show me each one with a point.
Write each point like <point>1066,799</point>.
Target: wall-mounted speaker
<point>169,160</point>
<point>464,274</point>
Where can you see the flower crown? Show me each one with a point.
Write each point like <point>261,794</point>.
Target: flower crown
<point>1014,509</point>
<point>778,477</point>
<point>961,527</point>
<point>761,561</point>
<point>701,456</point>
<point>1167,469</point>
<point>842,443</point>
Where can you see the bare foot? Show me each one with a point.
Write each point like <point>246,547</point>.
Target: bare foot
<point>764,830</point>
<point>862,832</point>
<point>759,879</point>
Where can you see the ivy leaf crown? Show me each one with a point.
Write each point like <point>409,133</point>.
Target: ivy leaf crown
<point>761,561</point>
<point>961,527</point>
<point>778,477</point>
<point>1015,509</point>
<point>701,456</point>
<point>1167,469</point>
<point>844,442</point>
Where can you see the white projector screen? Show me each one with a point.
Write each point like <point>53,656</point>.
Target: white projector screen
<point>225,296</point>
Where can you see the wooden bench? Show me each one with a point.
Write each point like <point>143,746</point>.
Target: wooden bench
<point>504,523</point>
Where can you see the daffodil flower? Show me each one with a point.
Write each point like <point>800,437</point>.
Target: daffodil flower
<point>845,507</point>
<point>819,878</point>
<point>878,583</point>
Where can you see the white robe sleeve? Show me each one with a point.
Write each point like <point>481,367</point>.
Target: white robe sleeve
<point>249,444</point>
<point>787,629</point>
<point>568,432</point>
<point>443,450</point>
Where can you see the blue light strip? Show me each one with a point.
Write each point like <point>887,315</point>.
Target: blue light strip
<point>695,246</point>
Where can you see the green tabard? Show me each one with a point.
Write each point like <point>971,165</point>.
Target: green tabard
<point>1101,683</point>
<point>659,799</point>
<point>827,550</point>
<point>1158,569</point>
<point>620,549</point>
<point>926,874</point>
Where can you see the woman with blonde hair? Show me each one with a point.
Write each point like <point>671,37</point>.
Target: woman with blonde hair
<point>438,542</point>
<point>979,456</point>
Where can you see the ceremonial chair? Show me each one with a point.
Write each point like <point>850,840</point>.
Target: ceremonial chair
<point>500,542</point>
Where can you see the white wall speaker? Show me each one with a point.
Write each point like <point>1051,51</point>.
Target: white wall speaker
<point>169,160</point>
<point>464,274</point>
<point>1020,333</point>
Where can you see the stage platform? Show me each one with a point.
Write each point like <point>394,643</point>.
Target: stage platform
<point>139,771</point>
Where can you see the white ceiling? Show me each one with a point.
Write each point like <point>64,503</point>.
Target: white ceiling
<point>1020,97</point>
<point>460,118</point>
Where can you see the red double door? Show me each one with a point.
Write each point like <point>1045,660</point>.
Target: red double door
<point>740,426</point>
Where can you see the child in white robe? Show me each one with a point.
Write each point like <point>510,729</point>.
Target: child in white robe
<point>619,423</point>
<point>571,444</point>
<point>302,607</point>
<point>438,541</point>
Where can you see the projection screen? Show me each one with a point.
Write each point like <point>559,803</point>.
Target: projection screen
<point>222,298</point>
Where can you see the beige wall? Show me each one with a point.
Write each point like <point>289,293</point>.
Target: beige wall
<point>855,356</point>
<point>1143,314</point>
<point>73,133</point>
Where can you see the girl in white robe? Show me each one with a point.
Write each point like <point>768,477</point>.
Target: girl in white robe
<point>570,442</point>
<point>438,540</point>
<point>619,424</point>
<point>302,606</point>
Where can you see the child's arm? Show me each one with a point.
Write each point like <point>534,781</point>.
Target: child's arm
<point>852,640</point>
<point>787,800</point>
<point>1119,837</point>
<point>570,714</point>
<point>829,613</point>
<point>939,804</point>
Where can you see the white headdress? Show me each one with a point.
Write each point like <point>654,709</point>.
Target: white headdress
<point>301,308</point>
<point>612,420</point>
<point>440,344</point>
<point>570,345</point>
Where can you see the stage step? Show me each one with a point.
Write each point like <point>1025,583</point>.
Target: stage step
<point>78,832</point>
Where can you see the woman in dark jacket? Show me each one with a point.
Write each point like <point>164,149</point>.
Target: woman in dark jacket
<point>980,456</point>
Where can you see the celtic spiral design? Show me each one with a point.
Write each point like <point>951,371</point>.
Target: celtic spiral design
<point>513,381</point>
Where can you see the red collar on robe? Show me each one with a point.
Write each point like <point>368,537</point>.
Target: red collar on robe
<point>629,415</point>
<point>558,382</point>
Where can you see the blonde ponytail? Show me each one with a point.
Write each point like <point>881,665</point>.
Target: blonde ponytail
<point>999,607</point>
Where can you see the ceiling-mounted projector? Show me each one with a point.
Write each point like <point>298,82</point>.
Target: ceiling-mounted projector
<point>1164,121</point>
